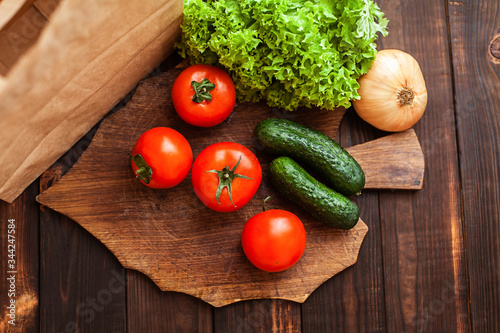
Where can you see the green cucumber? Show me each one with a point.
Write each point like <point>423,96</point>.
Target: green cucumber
<point>315,150</point>
<point>323,203</point>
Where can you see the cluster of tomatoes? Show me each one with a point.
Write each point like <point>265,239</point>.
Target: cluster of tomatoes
<point>225,175</point>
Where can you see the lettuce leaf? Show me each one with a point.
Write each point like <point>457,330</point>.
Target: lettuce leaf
<point>291,53</point>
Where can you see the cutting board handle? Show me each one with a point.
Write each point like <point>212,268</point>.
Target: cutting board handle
<point>393,162</point>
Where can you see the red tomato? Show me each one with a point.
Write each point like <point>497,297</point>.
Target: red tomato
<point>161,158</point>
<point>203,95</point>
<point>225,176</point>
<point>274,240</point>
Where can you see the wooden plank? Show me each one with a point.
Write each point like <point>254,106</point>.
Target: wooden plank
<point>495,49</point>
<point>258,316</point>
<point>150,309</point>
<point>82,285</point>
<point>421,231</point>
<point>353,301</point>
<point>475,32</point>
<point>19,282</point>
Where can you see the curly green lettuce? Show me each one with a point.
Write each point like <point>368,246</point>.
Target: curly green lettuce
<point>291,53</point>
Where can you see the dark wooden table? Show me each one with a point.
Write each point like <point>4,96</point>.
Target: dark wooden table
<point>430,262</point>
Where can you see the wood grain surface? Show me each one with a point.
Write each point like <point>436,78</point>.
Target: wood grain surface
<point>19,282</point>
<point>169,235</point>
<point>392,162</point>
<point>66,248</point>
<point>422,241</point>
<point>429,262</point>
<point>477,105</point>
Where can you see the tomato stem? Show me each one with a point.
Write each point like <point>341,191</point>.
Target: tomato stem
<point>264,203</point>
<point>202,90</point>
<point>144,171</point>
<point>226,177</point>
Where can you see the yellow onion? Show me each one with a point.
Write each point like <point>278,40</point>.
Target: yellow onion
<point>393,93</point>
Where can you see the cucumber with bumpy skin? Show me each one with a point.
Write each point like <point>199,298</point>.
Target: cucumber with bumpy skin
<point>314,149</point>
<point>323,203</point>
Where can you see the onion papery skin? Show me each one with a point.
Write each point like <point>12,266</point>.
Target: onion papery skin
<point>381,103</point>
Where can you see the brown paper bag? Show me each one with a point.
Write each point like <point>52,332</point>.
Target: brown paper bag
<point>10,10</point>
<point>87,57</point>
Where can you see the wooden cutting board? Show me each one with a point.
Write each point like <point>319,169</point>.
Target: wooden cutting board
<point>170,236</point>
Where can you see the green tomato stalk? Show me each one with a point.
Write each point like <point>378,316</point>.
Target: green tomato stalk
<point>226,177</point>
